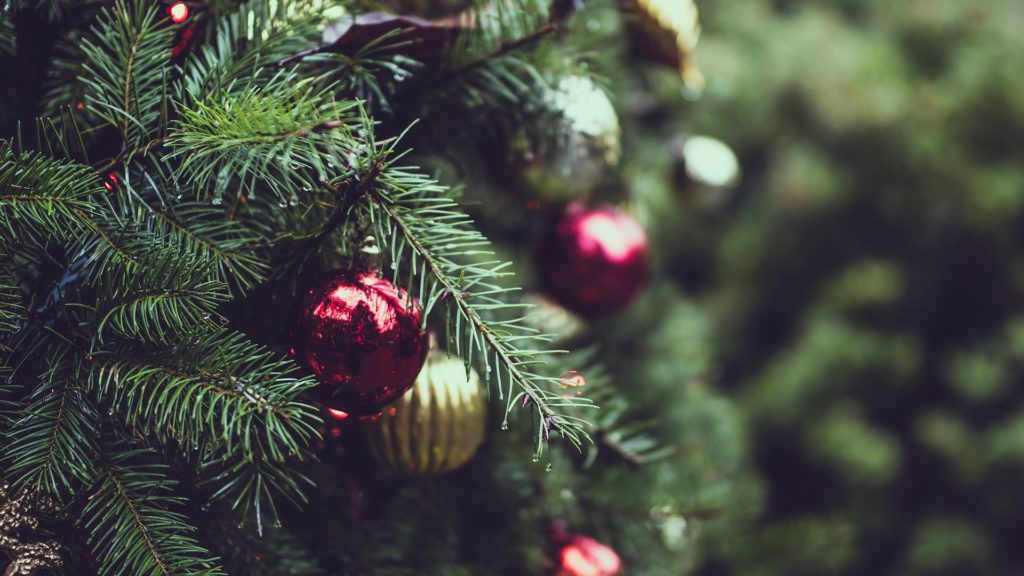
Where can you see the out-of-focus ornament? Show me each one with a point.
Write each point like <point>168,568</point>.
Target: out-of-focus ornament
<point>673,526</point>
<point>579,144</point>
<point>110,181</point>
<point>595,261</point>
<point>437,426</point>
<point>584,556</point>
<point>666,31</point>
<point>178,12</point>
<point>361,336</point>
<point>706,168</point>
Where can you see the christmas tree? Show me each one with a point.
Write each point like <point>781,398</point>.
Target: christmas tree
<point>353,287</point>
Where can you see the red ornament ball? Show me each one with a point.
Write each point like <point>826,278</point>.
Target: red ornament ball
<point>178,12</point>
<point>595,260</point>
<point>584,556</point>
<point>362,339</point>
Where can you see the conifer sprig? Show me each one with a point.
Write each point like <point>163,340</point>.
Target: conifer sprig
<point>50,440</point>
<point>40,194</point>
<point>126,71</point>
<point>8,38</point>
<point>288,137</point>
<point>229,401</point>
<point>162,300</point>
<point>202,233</point>
<point>433,249</point>
<point>135,521</point>
<point>12,310</point>
<point>243,56</point>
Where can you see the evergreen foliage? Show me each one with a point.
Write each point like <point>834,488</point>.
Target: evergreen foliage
<point>165,194</point>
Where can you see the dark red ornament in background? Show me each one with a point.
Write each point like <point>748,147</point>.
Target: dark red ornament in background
<point>584,556</point>
<point>595,261</point>
<point>356,333</point>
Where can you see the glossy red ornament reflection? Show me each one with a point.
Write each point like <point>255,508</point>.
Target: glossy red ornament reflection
<point>110,181</point>
<point>355,332</point>
<point>337,414</point>
<point>584,556</point>
<point>595,261</point>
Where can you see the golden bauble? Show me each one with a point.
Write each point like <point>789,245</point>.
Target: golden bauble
<point>435,427</point>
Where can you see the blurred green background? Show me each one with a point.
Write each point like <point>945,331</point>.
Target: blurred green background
<point>865,281</point>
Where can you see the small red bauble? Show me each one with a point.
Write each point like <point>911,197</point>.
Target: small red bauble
<point>178,12</point>
<point>595,261</point>
<point>361,338</point>
<point>584,556</point>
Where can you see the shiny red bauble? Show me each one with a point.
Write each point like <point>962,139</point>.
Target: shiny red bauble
<point>178,12</point>
<point>595,261</point>
<point>361,336</point>
<point>584,556</point>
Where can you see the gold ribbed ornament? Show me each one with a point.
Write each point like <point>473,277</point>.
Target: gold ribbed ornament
<point>435,427</point>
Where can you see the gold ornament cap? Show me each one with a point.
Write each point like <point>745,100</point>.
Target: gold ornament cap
<point>667,31</point>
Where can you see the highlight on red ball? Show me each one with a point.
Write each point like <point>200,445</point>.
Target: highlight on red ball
<point>110,182</point>
<point>337,414</point>
<point>178,12</point>
<point>584,556</point>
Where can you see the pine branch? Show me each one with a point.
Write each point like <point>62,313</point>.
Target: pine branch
<point>107,247</point>
<point>221,387</point>
<point>8,37</point>
<point>51,9</point>
<point>277,551</point>
<point>59,135</point>
<point>242,55</point>
<point>39,194</point>
<point>12,309</point>
<point>235,400</point>
<point>417,222</point>
<point>162,300</point>
<point>204,233</point>
<point>253,485</point>
<point>131,520</point>
<point>147,206</point>
<point>126,70</point>
<point>50,444</point>
<point>371,73</point>
<point>286,136</point>
<point>616,430</point>
<point>502,51</point>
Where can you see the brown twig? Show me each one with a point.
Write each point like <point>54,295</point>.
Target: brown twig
<point>300,55</point>
<point>345,195</point>
<point>605,441</point>
<point>504,49</point>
